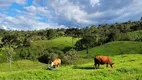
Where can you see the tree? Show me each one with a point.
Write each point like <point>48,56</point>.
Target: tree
<point>85,43</point>
<point>114,35</point>
<point>26,42</point>
<point>50,34</point>
<point>93,29</point>
<point>10,42</point>
<point>141,19</point>
<point>73,32</point>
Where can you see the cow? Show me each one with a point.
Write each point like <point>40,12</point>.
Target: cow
<point>56,62</point>
<point>102,60</point>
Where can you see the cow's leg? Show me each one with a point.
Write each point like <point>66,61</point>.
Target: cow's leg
<point>54,66</point>
<point>111,66</point>
<point>57,65</point>
<point>106,65</point>
<point>98,65</point>
<point>95,66</point>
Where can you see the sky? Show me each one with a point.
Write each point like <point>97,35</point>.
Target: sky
<point>43,14</point>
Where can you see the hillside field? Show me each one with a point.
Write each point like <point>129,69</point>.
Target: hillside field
<point>127,56</point>
<point>59,43</point>
<point>126,67</point>
<point>116,48</point>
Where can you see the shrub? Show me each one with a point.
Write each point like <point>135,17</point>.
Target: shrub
<point>3,57</point>
<point>48,56</point>
<point>69,57</point>
<point>27,54</point>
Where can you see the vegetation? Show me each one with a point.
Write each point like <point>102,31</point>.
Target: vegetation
<point>115,48</point>
<point>134,36</point>
<point>126,67</point>
<point>24,50</point>
<point>22,65</point>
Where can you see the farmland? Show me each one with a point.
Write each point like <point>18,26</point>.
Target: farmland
<point>126,67</point>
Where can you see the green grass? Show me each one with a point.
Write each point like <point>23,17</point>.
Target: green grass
<point>59,43</point>
<point>116,48</point>
<point>22,65</point>
<point>37,47</point>
<point>126,67</point>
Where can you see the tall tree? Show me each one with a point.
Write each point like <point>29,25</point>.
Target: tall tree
<point>73,32</point>
<point>86,43</point>
<point>10,42</point>
<point>51,33</point>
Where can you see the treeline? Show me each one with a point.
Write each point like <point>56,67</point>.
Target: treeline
<point>20,41</point>
<point>105,32</point>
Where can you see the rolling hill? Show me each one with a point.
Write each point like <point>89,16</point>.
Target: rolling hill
<point>116,48</point>
<point>126,67</point>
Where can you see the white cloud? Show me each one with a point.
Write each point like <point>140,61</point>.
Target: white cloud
<point>88,12</point>
<point>68,12</point>
<point>6,3</point>
<point>33,10</point>
<point>21,2</point>
<point>75,13</point>
<point>25,22</point>
<point>94,2</point>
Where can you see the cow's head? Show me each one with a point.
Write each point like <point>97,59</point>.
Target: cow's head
<point>52,65</point>
<point>111,65</point>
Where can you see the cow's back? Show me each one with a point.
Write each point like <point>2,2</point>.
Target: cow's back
<point>57,61</point>
<point>103,59</point>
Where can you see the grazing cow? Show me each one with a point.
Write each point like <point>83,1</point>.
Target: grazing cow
<point>56,62</point>
<point>102,60</point>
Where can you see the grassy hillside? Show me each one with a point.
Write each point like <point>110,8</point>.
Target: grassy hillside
<point>112,48</point>
<point>22,65</point>
<point>126,67</point>
<point>37,47</point>
<point>115,48</point>
<point>59,43</point>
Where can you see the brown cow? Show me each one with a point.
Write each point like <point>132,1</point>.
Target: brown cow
<point>56,62</point>
<point>102,60</point>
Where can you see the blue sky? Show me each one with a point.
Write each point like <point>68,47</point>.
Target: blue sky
<point>41,14</point>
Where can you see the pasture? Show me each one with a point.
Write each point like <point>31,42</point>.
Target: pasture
<point>126,67</point>
<point>125,54</point>
<point>116,48</point>
<point>59,43</point>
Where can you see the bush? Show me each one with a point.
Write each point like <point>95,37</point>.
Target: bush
<point>27,54</point>
<point>43,38</point>
<point>3,57</point>
<point>69,57</point>
<point>26,42</point>
<point>48,56</point>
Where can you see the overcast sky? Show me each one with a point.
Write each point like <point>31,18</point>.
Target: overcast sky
<point>41,14</point>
